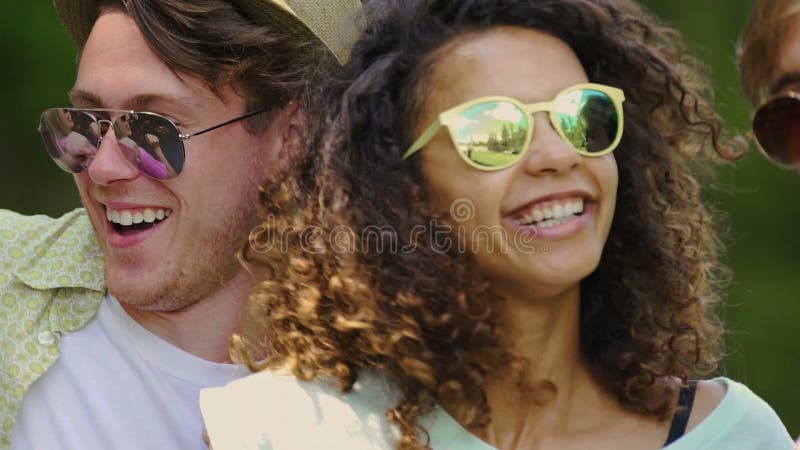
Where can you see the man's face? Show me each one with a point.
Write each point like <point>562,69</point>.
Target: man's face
<point>787,73</point>
<point>787,79</point>
<point>207,210</point>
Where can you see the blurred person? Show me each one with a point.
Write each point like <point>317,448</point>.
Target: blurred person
<point>769,63</point>
<point>78,151</point>
<point>69,149</point>
<point>154,162</point>
<point>115,315</point>
<point>577,124</point>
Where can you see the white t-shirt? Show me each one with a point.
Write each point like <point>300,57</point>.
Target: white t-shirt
<point>116,385</point>
<point>247,415</point>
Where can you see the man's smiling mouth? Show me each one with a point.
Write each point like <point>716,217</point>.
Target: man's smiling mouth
<point>127,221</point>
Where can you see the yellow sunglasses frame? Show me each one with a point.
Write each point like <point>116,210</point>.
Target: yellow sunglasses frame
<point>446,118</point>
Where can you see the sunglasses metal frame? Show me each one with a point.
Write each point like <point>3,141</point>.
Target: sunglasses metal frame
<point>125,112</point>
<point>446,118</point>
<point>783,96</point>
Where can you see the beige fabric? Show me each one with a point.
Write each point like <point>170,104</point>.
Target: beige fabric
<point>283,5</point>
<point>328,21</point>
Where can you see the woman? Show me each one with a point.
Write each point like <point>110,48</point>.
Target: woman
<point>500,244</point>
<point>70,149</point>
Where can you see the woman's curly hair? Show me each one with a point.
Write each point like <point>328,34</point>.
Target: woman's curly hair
<point>350,285</point>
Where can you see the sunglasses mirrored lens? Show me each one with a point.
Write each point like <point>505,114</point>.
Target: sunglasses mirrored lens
<point>491,134</point>
<point>151,143</point>
<point>777,128</point>
<point>588,120</point>
<point>70,137</point>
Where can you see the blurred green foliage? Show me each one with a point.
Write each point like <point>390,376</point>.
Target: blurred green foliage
<point>41,68</point>
<point>764,246</point>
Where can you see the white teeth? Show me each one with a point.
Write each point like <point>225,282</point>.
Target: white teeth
<point>552,213</point>
<point>552,222</point>
<point>125,218</point>
<point>130,217</point>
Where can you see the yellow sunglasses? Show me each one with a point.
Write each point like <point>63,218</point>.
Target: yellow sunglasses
<point>493,133</point>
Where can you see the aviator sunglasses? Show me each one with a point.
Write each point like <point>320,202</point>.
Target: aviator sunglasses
<point>151,142</point>
<point>493,133</point>
<point>776,126</point>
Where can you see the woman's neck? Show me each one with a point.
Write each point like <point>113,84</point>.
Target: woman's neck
<point>546,335</point>
<point>545,332</point>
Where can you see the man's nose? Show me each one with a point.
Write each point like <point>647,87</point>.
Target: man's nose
<point>115,160</point>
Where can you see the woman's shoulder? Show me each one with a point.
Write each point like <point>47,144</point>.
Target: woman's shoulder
<point>274,410</point>
<point>729,415</point>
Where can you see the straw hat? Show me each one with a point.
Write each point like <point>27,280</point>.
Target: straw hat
<point>322,20</point>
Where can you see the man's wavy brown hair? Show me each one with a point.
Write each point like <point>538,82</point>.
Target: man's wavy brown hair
<point>760,45</point>
<point>214,41</point>
<point>349,285</point>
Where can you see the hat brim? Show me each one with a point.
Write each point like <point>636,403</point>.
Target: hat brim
<point>326,18</point>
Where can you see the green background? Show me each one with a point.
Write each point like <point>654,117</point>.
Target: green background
<point>763,312</point>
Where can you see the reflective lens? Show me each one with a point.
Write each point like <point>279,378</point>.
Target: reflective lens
<point>70,138</point>
<point>154,143</point>
<point>491,134</point>
<point>587,119</point>
<point>777,128</point>
<point>494,133</point>
<point>149,141</point>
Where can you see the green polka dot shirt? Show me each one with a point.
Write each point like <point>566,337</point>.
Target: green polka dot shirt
<point>51,283</point>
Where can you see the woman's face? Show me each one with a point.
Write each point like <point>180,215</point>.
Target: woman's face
<point>495,212</point>
<point>68,120</point>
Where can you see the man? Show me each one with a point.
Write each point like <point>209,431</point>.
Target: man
<point>114,316</point>
<point>769,63</point>
<point>770,70</point>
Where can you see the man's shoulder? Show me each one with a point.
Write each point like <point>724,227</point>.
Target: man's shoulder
<point>46,252</point>
<point>15,226</point>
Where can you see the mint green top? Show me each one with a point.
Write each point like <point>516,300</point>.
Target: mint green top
<point>269,411</point>
<point>51,283</point>
<point>742,421</point>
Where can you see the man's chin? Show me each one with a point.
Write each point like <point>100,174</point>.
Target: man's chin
<point>141,295</point>
<point>165,296</point>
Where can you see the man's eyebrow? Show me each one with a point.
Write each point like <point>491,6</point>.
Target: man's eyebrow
<point>161,103</point>
<point>79,97</point>
<point>784,81</point>
<point>141,102</point>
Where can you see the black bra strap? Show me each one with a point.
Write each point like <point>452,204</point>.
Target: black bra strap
<point>681,417</point>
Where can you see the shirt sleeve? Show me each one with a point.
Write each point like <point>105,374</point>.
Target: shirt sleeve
<point>742,421</point>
